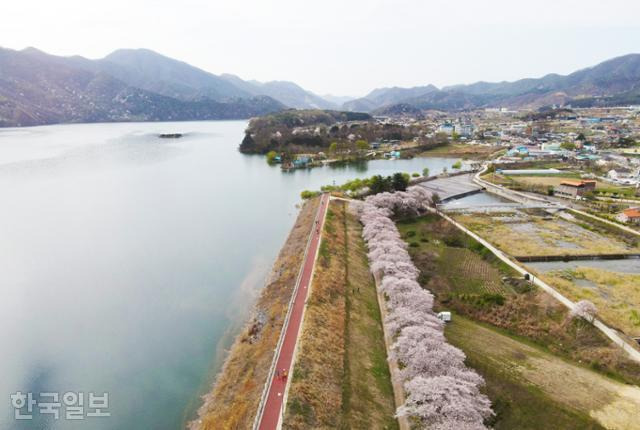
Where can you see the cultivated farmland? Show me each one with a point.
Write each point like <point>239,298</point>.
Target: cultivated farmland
<point>616,295</point>
<point>468,280</point>
<point>529,235</point>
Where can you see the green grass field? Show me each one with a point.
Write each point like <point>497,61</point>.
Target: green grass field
<point>532,389</point>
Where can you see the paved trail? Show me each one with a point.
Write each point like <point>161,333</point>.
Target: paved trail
<point>271,414</point>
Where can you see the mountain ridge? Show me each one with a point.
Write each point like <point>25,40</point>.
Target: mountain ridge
<point>132,84</point>
<point>143,85</point>
<point>37,88</point>
<point>604,83</point>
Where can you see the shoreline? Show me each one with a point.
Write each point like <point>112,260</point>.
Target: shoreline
<point>248,291</point>
<point>234,394</point>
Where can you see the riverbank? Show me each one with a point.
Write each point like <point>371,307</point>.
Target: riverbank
<point>233,400</point>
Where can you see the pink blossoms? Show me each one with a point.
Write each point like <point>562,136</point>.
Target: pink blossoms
<point>441,392</point>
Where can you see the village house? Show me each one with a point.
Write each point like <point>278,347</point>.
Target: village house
<point>574,189</point>
<point>629,216</point>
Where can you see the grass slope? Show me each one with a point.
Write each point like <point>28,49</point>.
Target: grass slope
<point>341,376</point>
<point>532,389</point>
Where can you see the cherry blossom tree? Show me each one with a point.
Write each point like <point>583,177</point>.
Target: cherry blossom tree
<point>442,393</point>
<point>584,309</point>
<point>445,402</point>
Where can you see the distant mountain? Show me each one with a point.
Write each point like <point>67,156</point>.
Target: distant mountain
<point>386,96</point>
<point>337,100</point>
<point>613,82</point>
<point>142,85</point>
<point>398,109</point>
<point>154,72</point>
<point>285,92</point>
<point>38,88</point>
<point>617,75</point>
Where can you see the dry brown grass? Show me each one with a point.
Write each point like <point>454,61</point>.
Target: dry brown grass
<point>551,180</point>
<point>611,403</point>
<point>616,295</point>
<point>341,376</point>
<point>462,150</point>
<point>543,237</point>
<point>315,394</point>
<point>233,401</point>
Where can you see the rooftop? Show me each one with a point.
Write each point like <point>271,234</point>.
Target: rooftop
<point>632,212</point>
<point>577,183</point>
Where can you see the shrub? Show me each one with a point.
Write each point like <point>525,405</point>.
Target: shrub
<point>492,299</point>
<point>306,194</point>
<point>454,240</point>
<point>271,157</point>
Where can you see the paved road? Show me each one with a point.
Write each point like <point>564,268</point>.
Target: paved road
<point>278,385</point>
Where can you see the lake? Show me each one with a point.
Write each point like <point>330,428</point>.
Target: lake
<point>129,261</point>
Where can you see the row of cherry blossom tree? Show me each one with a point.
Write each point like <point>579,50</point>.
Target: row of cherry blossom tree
<point>441,392</point>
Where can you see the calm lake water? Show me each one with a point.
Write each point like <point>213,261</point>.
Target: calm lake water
<point>478,199</point>
<point>129,262</point>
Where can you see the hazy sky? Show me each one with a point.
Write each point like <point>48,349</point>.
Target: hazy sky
<point>345,47</point>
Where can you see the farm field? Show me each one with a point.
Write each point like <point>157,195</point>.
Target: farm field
<point>444,252</point>
<point>461,150</point>
<point>553,180</point>
<point>535,235</point>
<point>532,389</point>
<point>541,184</point>
<point>616,295</point>
<point>468,280</point>
<point>341,376</point>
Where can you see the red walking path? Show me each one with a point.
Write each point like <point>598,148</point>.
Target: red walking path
<point>270,414</point>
